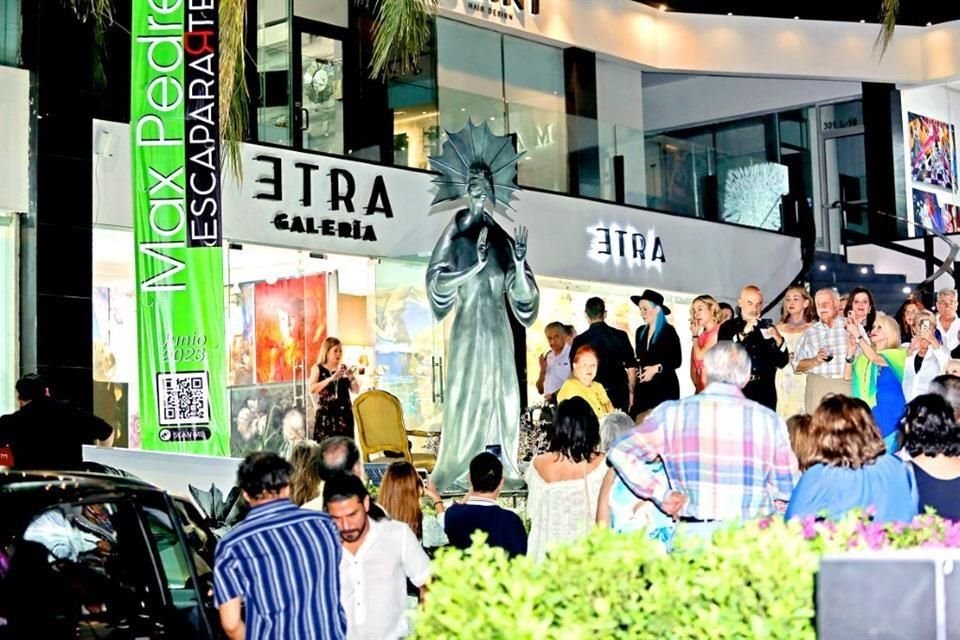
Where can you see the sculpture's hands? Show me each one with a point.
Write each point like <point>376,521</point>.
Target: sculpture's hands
<point>520,243</point>
<point>483,247</point>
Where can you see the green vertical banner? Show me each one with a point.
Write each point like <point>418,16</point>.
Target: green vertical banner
<point>174,129</point>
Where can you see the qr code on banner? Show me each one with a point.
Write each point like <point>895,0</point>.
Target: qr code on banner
<point>183,398</point>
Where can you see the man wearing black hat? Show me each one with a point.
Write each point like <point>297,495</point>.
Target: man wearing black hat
<point>767,348</point>
<point>616,367</point>
<point>658,355</point>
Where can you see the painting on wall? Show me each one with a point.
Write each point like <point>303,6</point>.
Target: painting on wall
<point>930,212</point>
<point>932,151</point>
<point>290,324</point>
<point>240,334</point>
<point>265,418</point>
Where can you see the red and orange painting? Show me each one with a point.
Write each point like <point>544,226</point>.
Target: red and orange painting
<point>290,323</point>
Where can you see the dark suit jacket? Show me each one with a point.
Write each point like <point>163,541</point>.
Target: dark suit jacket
<point>48,434</point>
<point>665,351</point>
<point>614,355</point>
<point>765,357</point>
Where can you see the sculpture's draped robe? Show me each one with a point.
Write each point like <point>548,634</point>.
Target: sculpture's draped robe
<point>482,403</point>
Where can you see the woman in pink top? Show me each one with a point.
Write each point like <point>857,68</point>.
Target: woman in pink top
<point>704,324</point>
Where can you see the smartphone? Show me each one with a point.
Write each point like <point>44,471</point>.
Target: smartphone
<point>765,323</point>
<point>925,325</point>
<point>496,450</point>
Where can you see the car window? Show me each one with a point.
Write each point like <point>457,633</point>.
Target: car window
<point>181,565</point>
<point>75,570</point>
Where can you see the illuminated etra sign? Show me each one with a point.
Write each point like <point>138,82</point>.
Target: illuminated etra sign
<point>626,245</point>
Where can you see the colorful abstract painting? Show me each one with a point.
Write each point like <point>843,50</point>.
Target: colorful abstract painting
<point>930,212</point>
<point>932,151</point>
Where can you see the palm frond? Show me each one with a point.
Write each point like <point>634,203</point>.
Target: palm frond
<point>888,16</point>
<point>100,11</point>
<point>233,84</point>
<point>401,33</point>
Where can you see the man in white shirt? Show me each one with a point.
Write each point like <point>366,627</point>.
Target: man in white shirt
<point>947,321</point>
<point>554,364</point>
<point>821,349</point>
<point>378,559</point>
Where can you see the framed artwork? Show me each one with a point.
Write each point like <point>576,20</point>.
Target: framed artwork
<point>932,151</point>
<point>930,212</point>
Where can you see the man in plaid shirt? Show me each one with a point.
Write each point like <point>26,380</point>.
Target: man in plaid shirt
<point>820,349</point>
<point>726,457</point>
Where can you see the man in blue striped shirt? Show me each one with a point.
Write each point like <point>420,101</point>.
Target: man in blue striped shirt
<point>281,562</point>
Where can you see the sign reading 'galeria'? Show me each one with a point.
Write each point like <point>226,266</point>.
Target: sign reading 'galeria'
<point>174,113</point>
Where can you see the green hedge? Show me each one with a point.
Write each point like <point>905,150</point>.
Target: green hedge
<point>751,581</point>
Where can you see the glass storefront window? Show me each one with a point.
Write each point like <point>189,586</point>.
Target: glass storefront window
<point>564,301</point>
<point>273,70</point>
<point>534,92</point>
<point>10,27</point>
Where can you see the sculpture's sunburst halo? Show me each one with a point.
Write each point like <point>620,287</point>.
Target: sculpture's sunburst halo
<point>475,146</point>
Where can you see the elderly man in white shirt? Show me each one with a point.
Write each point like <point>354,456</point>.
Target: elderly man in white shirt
<point>947,322</point>
<point>926,357</point>
<point>821,349</point>
<point>555,364</point>
<point>378,559</point>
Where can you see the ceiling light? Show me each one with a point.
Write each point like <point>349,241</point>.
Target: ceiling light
<point>906,289</point>
<point>463,108</point>
<point>796,17</point>
<point>864,270</point>
<point>929,24</point>
<point>862,20</point>
<point>823,267</point>
<point>663,7</point>
<point>729,13</point>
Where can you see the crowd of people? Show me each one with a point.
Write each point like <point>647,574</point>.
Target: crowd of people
<point>835,407</point>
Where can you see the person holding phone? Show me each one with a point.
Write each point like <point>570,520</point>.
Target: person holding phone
<point>764,344</point>
<point>875,367</point>
<point>926,356</point>
<point>333,382</point>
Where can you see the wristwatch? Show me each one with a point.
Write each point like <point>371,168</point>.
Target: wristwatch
<point>850,359</point>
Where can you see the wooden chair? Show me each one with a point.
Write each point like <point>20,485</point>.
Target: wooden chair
<point>379,418</point>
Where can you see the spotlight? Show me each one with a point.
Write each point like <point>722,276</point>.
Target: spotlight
<point>862,21</point>
<point>864,270</point>
<point>906,289</point>
<point>823,267</point>
<point>663,7</point>
<point>929,24</point>
<point>796,17</point>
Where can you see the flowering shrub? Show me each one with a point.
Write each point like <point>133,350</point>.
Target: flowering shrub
<point>754,580</point>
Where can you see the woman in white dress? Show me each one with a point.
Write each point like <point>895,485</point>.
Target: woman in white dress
<point>564,483</point>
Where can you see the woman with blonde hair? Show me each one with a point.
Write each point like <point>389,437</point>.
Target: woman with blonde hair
<point>401,492</point>
<point>704,325</point>
<point>796,316</point>
<point>333,382</point>
<point>875,367</point>
<point>305,482</point>
<point>847,467</point>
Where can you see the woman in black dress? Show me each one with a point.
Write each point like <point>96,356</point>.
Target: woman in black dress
<point>658,353</point>
<point>333,382</point>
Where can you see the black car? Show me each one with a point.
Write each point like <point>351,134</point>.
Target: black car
<point>86,555</point>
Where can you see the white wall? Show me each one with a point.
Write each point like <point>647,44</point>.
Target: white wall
<point>736,45</point>
<point>554,222</point>
<point>173,472</point>
<point>700,99</point>
<point>892,262</point>
<point>14,139</point>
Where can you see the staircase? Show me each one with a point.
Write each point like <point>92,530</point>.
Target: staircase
<point>833,270</point>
